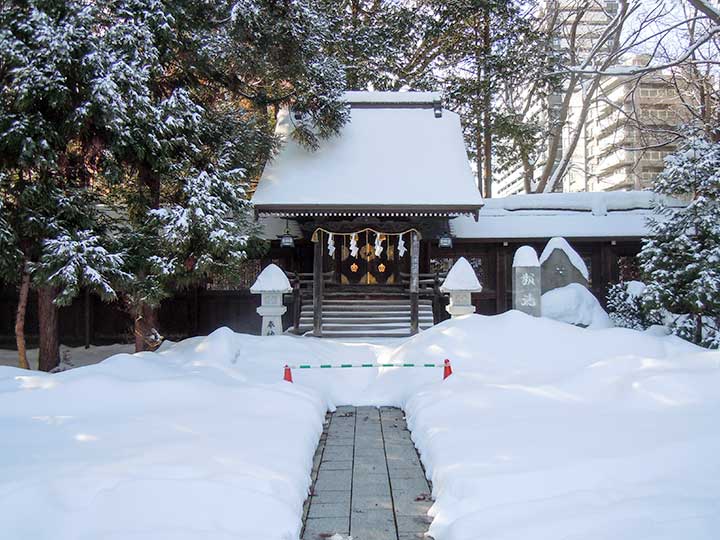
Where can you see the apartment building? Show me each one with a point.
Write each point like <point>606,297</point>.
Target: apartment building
<point>625,137</point>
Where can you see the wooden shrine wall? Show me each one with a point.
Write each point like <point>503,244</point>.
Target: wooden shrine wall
<point>606,261</point>
<point>199,312</point>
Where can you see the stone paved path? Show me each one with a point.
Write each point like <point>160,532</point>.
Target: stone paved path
<point>368,481</point>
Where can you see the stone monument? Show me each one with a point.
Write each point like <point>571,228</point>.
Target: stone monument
<point>526,281</point>
<point>561,265</point>
<point>460,283</point>
<point>271,284</point>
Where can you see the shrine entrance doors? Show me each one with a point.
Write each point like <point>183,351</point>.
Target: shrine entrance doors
<point>359,263</point>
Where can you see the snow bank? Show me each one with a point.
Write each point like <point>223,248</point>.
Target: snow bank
<point>575,259</point>
<point>568,433</point>
<point>575,304</point>
<point>544,431</point>
<point>155,446</point>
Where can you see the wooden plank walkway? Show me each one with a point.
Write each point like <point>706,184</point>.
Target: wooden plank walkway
<point>368,482</point>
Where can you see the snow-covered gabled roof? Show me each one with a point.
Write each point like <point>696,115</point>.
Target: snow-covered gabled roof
<point>393,156</point>
<point>398,98</point>
<point>571,215</point>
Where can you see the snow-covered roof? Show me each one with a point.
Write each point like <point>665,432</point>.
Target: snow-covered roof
<point>386,159</point>
<point>426,98</point>
<point>461,277</point>
<point>572,215</point>
<point>575,259</point>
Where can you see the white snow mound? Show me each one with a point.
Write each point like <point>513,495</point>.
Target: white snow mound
<point>545,430</point>
<point>575,304</point>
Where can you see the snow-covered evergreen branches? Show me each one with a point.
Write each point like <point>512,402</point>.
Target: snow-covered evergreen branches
<point>78,259</point>
<point>681,261</point>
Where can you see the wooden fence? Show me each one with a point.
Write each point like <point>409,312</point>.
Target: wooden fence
<point>89,320</point>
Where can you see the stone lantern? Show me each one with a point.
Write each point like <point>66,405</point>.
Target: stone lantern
<point>271,284</point>
<point>461,282</point>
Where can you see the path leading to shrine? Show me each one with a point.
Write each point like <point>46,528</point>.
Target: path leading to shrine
<point>367,479</point>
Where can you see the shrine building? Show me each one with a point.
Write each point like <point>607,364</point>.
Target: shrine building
<point>367,225</point>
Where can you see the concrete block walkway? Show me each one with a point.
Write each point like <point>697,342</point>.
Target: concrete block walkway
<point>367,481</point>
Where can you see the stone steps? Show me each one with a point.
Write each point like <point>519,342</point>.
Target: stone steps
<point>352,317</point>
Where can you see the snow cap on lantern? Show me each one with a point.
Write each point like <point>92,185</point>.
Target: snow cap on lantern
<point>271,279</point>
<point>270,285</point>
<point>460,282</point>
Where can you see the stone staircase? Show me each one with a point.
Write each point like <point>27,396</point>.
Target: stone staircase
<point>361,316</point>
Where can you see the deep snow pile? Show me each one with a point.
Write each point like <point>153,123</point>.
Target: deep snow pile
<point>151,447</point>
<point>544,431</point>
<point>569,433</point>
<point>574,304</point>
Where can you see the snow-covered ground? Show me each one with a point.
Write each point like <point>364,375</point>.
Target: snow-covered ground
<point>71,356</point>
<point>545,430</point>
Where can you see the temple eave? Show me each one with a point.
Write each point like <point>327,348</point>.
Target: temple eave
<point>292,211</point>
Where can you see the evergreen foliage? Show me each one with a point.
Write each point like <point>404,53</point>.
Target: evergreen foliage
<point>166,110</point>
<point>48,124</point>
<point>76,260</point>
<point>385,44</point>
<point>626,307</point>
<point>492,54</point>
<point>681,261</point>
<point>190,116</point>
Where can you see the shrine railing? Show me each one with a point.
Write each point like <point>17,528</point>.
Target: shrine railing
<point>428,287</point>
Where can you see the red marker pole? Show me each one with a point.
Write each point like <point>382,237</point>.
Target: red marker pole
<point>287,376</point>
<point>447,370</point>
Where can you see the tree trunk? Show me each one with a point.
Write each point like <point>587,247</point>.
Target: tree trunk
<point>478,111</point>
<point>487,102</point>
<point>568,152</point>
<point>49,354</point>
<point>20,321</point>
<point>528,172</point>
<point>478,150</point>
<point>146,324</point>
<point>698,337</point>
<point>147,337</point>
<point>487,152</point>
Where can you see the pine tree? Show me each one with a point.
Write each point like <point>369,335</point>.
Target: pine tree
<point>626,308</point>
<point>42,115</point>
<point>78,260</point>
<point>490,48</point>
<point>681,260</point>
<point>189,96</point>
<point>385,44</point>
